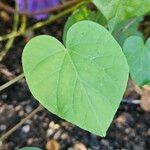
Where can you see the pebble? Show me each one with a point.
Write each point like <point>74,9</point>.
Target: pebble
<point>49,132</point>
<point>30,141</point>
<point>4,96</point>
<point>64,136</point>
<point>28,109</point>
<point>57,134</point>
<point>51,124</point>
<point>18,108</point>
<point>21,113</point>
<point>79,146</point>
<point>56,126</point>
<point>26,128</point>
<point>2,127</point>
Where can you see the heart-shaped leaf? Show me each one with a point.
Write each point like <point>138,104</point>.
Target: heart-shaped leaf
<point>82,83</point>
<point>138,57</point>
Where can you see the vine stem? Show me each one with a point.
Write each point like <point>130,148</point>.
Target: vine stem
<point>43,23</point>
<point>4,86</point>
<point>8,133</point>
<point>11,41</point>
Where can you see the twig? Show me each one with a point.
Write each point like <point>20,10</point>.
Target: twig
<point>8,133</point>
<point>131,101</point>
<point>48,10</point>
<point>11,41</point>
<point>43,23</point>
<point>137,88</point>
<point>4,86</point>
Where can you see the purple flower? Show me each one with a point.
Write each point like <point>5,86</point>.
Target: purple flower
<point>36,5</point>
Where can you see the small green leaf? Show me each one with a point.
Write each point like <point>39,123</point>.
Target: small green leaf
<point>82,83</point>
<point>83,14</point>
<point>29,148</point>
<point>117,11</point>
<point>138,57</point>
<point>126,29</point>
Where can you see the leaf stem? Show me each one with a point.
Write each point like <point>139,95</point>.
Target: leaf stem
<point>4,86</point>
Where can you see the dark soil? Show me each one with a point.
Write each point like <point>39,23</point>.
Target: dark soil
<point>130,129</point>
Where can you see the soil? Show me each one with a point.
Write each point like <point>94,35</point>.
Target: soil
<point>130,129</point>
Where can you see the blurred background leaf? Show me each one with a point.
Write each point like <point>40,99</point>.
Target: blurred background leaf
<point>127,28</point>
<point>138,56</point>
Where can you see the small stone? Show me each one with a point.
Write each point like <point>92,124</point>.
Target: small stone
<point>4,96</point>
<point>56,126</point>
<point>30,141</point>
<point>57,134</point>
<point>51,125</point>
<point>79,146</point>
<point>28,109</point>
<point>2,127</point>
<point>64,136</point>
<point>26,128</point>
<point>21,113</point>
<point>127,130</point>
<point>18,108</point>
<point>49,132</point>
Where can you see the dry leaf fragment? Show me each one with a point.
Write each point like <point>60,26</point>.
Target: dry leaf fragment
<point>145,98</point>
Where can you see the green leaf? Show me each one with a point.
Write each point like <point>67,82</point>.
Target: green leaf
<point>138,57</point>
<point>83,14</point>
<point>126,29</point>
<point>119,10</point>
<point>82,83</point>
<point>29,148</point>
